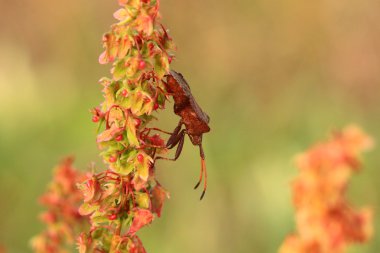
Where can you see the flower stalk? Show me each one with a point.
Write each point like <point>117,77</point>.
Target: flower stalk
<point>126,196</point>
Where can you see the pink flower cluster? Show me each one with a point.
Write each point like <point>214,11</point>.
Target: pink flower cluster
<point>326,222</point>
<point>127,196</point>
<point>62,219</point>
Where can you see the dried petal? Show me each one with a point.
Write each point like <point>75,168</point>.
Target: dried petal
<point>142,217</point>
<point>109,134</point>
<point>158,198</point>
<point>121,14</point>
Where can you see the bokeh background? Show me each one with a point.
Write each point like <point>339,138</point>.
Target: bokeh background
<point>274,76</point>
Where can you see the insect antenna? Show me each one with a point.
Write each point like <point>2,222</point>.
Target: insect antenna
<point>203,171</point>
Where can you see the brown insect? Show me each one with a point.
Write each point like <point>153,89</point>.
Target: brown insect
<point>195,121</point>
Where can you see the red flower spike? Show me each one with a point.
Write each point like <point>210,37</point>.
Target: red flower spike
<point>170,59</point>
<point>142,65</point>
<point>125,189</point>
<point>112,159</point>
<point>119,138</point>
<point>140,158</point>
<point>95,119</point>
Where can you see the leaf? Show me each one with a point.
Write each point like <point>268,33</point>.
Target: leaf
<point>87,209</point>
<point>98,218</point>
<point>123,2</point>
<point>125,163</point>
<point>103,58</point>
<point>138,183</point>
<point>136,246</point>
<point>109,134</point>
<point>144,24</point>
<point>137,103</point>
<point>142,167</point>
<point>121,14</point>
<point>111,44</point>
<point>147,108</point>
<point>158,197</point>
<point>142,200</point>
<point>90,189</point>
<point>125,168</point>
<point>169,45</point>
<point>142,171</point>
<point>132,66</point>
<point>116,118</point>
<point>133,7</point>
<point>105,81</point>
<point>83,243</point>
<point>161,65</point>
<point>108,93</point>
<point>108,189</point>
<point>125,45</point>
<point>119,71</point>
<point>142,217</point>
<point>115,244</point>
<point>111,47</point>
<point>131,133</point>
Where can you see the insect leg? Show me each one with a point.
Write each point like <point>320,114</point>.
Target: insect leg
<point>180,139</point>
<point>159,130</point>
<point>180,144</point>
<point>175,137</point>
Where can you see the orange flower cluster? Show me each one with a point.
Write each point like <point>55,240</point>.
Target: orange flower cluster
<point>62,218</point>
<point>326,222</point>
<point>126,196</point>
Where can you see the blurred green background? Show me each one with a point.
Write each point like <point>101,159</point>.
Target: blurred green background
<point>274,76</point>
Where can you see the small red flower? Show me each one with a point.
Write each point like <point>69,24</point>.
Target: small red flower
<point>119,138</point>
<point>137,122</point>
<point>142,65</point>
<point>112,217</point>
<point>112,159</point>
<point>95,118</point>
<point>140,158</point>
